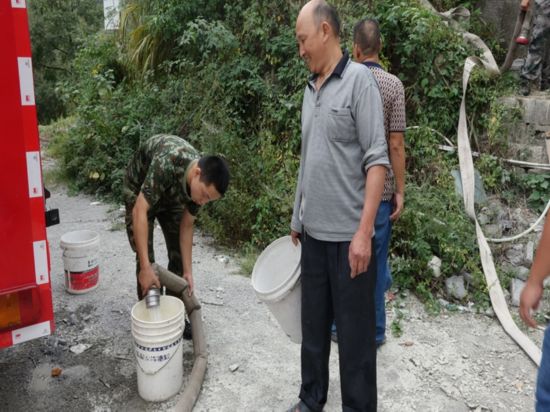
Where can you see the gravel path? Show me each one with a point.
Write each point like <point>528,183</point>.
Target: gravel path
<point>453,362</point>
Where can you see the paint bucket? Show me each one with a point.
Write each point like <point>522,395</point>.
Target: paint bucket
<point>158,348</point>
<point>80,260</point>
<point>276,281</point>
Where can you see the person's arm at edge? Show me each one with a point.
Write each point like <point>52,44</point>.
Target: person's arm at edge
<point>397,160</point>
<point>146,277</point>
<point>186,246</point>
<point>532,292</point>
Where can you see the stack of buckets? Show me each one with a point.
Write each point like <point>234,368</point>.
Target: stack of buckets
<point>158,348</point>
<point>80,260</point>
<point>276,281</point>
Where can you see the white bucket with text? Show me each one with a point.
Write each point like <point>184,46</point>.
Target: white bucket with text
<point>80,260</point>
<point>276,281</point>
<point>158,347</point>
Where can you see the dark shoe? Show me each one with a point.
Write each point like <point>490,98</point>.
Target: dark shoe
<point>187,335</point>
<point>524,88</point>
<point>300,407</point>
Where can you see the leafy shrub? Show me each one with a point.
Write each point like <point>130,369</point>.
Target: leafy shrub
<point>537,186</point>
<point>428,57</point>
<point>433,223</point>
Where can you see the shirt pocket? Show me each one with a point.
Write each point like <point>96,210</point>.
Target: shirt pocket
<point>340,124</point>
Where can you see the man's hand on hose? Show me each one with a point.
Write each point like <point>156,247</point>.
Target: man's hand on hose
<point>188,276</point>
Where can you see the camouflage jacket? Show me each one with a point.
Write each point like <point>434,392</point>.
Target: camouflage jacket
<point>159,169</point>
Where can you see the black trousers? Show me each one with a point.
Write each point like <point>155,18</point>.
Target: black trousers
<point>328,293</point>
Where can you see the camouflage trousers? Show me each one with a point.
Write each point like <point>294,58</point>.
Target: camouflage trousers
<point>169,220</point>
<point>537,62</point>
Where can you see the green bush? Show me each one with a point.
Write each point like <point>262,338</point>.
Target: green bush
<point>428,57</point>
<point>433,223</point>
<point>537,185</point>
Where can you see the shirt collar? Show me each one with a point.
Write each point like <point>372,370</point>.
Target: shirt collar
<point>338,70</point>
<point>372,64</point>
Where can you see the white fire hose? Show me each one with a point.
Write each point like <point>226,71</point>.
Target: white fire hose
<point>488,63</point>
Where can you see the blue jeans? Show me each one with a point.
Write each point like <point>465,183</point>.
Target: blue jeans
<point>382,227</point>
<point>542,395</point>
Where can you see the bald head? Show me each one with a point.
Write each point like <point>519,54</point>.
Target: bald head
<point>317,28</point>
<point>319,11</point>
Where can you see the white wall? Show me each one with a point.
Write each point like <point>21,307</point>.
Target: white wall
<point>111,14</point>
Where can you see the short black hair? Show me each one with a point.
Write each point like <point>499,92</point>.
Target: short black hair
<point>214,170</point>
<point>326,12</point>
<point>366,34</point>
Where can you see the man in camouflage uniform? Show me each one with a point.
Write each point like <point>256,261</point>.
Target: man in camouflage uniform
<point>167,180</point>
<point>537,62</point>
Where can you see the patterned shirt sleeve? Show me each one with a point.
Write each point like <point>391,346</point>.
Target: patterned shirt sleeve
<point>397,114</point>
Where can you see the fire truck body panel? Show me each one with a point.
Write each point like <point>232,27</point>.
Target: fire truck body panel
<point>26,310</point>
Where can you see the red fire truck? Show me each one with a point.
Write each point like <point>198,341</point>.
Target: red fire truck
<point>26,310</point>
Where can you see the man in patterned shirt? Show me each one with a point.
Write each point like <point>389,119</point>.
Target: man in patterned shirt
<point>167,180</point>
<point>366,48</point>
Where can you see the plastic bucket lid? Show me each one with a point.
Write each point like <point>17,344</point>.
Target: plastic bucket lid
<point>276,270</point>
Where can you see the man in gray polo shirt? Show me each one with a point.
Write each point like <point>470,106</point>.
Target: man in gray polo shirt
<point>340,183</point>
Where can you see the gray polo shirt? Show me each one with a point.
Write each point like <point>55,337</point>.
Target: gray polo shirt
<point>342,137</point>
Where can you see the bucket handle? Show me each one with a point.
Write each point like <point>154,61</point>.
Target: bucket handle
<point>159,369</point>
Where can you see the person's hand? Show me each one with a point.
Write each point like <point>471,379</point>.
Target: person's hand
<point>189,278</point>
<point>295,236</point>
<point>359,253</point>
<point>524,4</point>
<point>529,301</point>
<point>398,204</point>
<point>147,279</point>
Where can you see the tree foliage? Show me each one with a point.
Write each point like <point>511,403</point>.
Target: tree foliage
<point>58,29</point>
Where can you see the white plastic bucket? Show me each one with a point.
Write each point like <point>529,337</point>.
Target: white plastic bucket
<point>158,348</point>
<point>80,260</point>
<point>276,281</point>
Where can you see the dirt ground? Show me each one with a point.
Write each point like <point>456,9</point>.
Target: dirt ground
<point>452,362</point>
